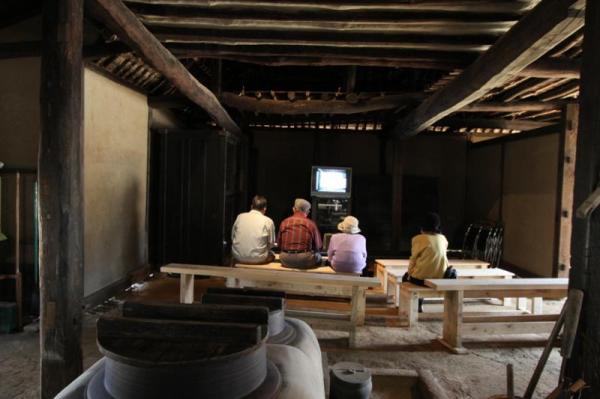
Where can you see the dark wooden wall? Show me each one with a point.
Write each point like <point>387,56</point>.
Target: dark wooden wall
<point>433,170</point>
<point>197,186</point>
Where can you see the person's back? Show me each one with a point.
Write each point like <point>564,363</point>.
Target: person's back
<point>347,250</point>
<point>299,238</point>
<point>253,235</point>
<point>428,256</point>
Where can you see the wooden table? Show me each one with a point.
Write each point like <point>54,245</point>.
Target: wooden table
<point>454,291</point>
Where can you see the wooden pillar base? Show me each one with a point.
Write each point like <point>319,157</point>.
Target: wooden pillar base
<point>457,350</point>
<point>453,318</point>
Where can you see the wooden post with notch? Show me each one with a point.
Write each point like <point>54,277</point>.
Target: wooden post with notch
<point>565,195</point>
<point>61,195</point>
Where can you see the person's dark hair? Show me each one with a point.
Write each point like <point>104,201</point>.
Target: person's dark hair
<point>431,222</point>
<point>259,203</point>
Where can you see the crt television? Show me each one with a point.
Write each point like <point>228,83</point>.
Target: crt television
<point>331,182</point>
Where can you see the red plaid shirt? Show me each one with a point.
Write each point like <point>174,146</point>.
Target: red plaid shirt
<point>299,233</point>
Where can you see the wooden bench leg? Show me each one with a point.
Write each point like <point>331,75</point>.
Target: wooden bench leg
<point>389,290</point>
<point>409,307</point>
<point>521,303</point>
<point>507,301</point>
<point>385,281</point>
<point>453,317</point>
<point>537,305</point>
<point>359,301</point>
<point>186,288</point>
<point>357,316</point>
<point>352,337</point>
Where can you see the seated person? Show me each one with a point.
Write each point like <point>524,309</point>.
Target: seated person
<point>428,254</point>
<point>347,250</point>
<point>253,235</point>
<point>299,239</point>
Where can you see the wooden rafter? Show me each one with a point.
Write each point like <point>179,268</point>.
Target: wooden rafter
<point>533,36</point>
<point>332,40</point>
<point>117,17</point>
<point>519,106</point>
<point>302,107</point>
<point>435,26</point>
<point>502,8</point>
<point>282,56</point>
<point>489,123</point>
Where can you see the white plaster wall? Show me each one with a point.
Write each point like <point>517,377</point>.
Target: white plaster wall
<point>529,203</point>
<point>115,176</point>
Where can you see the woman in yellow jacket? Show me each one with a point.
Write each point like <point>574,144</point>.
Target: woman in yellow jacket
<point>428,258</point>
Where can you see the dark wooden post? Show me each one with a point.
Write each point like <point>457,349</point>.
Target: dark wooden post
<point>397,177</point>
<point>61,197</point>
<point>585,245</point>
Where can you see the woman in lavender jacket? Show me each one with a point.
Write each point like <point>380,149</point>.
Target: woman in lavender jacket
<point>347,250</point>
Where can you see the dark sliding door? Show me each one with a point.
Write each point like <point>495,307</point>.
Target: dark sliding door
<point>197,188</point>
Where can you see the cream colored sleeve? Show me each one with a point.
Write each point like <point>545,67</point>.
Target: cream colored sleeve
<point>271,232</point>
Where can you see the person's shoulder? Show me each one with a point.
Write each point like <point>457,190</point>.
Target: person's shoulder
<point>310,221</point>
<point>419,237</point>
<point>242,215</point>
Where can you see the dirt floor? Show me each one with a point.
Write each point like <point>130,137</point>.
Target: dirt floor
<point>383,343</point>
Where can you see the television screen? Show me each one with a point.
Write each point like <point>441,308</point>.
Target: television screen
<point>331,181</point>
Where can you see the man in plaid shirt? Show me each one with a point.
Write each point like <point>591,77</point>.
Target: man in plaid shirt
<point>299,239</point>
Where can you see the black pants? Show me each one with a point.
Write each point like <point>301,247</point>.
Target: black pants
<point>450,274</point>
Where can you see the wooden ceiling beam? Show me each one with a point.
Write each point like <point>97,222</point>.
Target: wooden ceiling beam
<point>372,102</point>
<point>488,123</point>
<point>553,68</point>
<point>521,106</point>
<point>505,8</point>
<point>467,44</point>
<point>121,21</point>
<point>288,55</point>
<point>532,37</point>
<point>303,107</point>
<point>445,27</point>
<point>546,68</point>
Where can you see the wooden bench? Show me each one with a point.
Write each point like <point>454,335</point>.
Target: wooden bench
<point>352,286</point>
<point>395,279</point>
<point>455,325</point>
<point>383,265</point>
